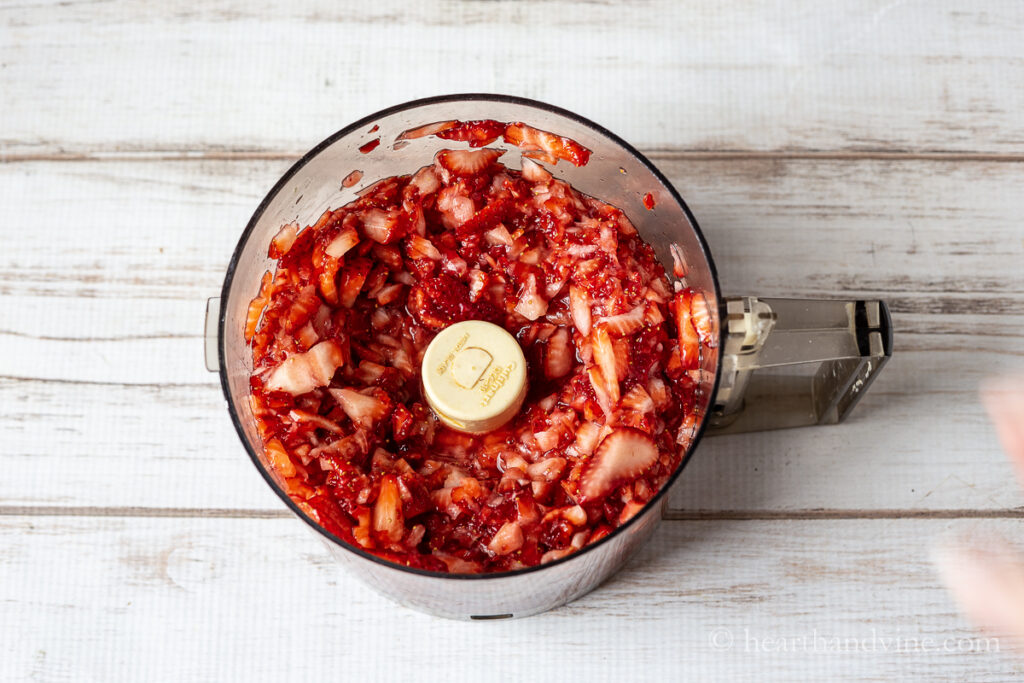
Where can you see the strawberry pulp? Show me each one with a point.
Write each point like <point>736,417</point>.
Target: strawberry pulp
<point>339,329</point>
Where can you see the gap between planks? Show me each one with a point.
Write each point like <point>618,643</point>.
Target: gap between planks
<point>666,154</point>
<point>669,515</point>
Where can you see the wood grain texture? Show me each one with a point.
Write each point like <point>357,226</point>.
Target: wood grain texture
<point>255,600</point>
<point>240,77</point>
<point>119,351</point>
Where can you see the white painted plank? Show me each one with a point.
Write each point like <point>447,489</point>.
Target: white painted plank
<point>192,599</point>
<point>929,235</point>
<point>234,75</point>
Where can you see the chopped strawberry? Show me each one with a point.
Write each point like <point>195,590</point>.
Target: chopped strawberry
<point>283,240</point>
<point>257,305</point>
<point>425,181</point>
<point>623,455</point>
<point>689,340</point>
<point>609,360</point>
<point>420,247</point>
<point>579,306</point>
<point>624,324</point>
<point>303,372</point>
<point>508,539</point>
<point>531,304</point>
<point>702,319</point>
<point>381,226</point>
<point>340,245</point>
<point>362,409</point>
<point>387,511</point>
<point>558,357</point>
<point>352,279</point>
<point>553,147</point>
<point>476,133</point>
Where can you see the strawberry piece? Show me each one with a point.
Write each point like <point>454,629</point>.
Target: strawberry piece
<point>427,129</point>
<point>381,226</point>
<point>534,172</point>
<point>624,324</point>
<point>420,247</point>
<point>303,372</point>
<point>352,279</point>
<point>608,361</point>
<point>701,318</point>
<point>342,243</point>
<point>387,511</point>
<point>623,455</point>
<point>689,340</point>
<point>283,240</point>
<point>508,539</point>
<point>463,162</point>
<point>552,147</point>
<point>638,400</point>
<point>558,357</point>
<point>476,133</point>
<point>362,409</point>
<point>579,307</point>
<point>425,181</point>
<point>531,304</point>
<point>257,305</point>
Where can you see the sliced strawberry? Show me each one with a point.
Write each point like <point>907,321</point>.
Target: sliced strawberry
<point>579,307</point>
<point>387,511</point>
<point>687,430</point>
<point>464,162</point>
<point>427,129</point>
<point>638,400</point>
<point>558,357</point>
<point>624,324</point>
<point>622,456</point>
<point>476,133</point>
<point>425,181</point>
<point>303,372</point>
<point>689,340</point>
<point>553,147</point>
<point>363,410</point>
<point>607,359</point>
<point>257,305</point>
<point>702,322</point>
<point>352,278</point>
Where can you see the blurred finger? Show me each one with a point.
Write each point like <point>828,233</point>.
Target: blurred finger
<point>988,583</point>
<point>1004,400</point>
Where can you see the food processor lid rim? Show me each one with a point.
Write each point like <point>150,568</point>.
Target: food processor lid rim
<point>356,126</point>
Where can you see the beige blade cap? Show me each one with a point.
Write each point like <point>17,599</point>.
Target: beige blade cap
<point>474,376</point>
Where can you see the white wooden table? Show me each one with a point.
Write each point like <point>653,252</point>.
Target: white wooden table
<point>828,148</point>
